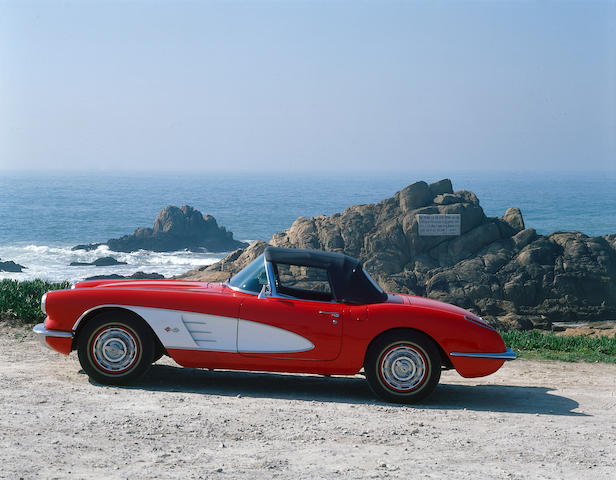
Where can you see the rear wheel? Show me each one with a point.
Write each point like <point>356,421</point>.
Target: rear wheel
<point>403,367</point>
<point>115,348</point>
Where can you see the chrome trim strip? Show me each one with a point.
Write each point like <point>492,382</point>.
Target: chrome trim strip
<point>41,330</point>
<point>507,355</point>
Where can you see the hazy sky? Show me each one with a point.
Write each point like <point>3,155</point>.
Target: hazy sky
<point>308,85</point>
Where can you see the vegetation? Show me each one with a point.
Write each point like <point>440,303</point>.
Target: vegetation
<point>21,301</point>
<point>546,345</point>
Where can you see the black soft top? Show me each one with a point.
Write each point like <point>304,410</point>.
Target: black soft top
<point>349,281</point>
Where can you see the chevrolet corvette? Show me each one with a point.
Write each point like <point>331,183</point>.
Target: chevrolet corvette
<point>290,310</point>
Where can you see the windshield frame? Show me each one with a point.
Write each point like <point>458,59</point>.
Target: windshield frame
<point>243,290</point>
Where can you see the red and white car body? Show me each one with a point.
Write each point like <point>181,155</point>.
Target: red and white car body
<point>401,341</point>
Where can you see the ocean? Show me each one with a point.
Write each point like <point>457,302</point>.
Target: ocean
<point>42,215</point>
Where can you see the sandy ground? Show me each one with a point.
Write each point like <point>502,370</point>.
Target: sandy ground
<point>529,420</point>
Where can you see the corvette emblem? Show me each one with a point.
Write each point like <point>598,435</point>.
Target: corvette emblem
<point>174,330</point>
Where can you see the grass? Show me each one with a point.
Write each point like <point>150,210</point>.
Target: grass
<point>536,344</point>
<point>20,302</point>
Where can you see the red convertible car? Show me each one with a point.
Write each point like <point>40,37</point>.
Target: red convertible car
<point>290,310</point>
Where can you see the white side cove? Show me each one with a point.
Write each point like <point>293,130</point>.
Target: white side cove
<point>259,338</point>
<point>211,332</point>
<point>200,331</point>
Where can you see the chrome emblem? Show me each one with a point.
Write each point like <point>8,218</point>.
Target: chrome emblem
<point>174,329</point>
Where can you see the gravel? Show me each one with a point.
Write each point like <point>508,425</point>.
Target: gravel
<point>529,420</point>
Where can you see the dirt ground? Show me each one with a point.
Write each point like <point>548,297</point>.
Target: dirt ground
<point>529,420</point>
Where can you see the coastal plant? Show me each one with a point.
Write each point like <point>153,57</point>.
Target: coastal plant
<point>20,301</point>
<point>540,344</point>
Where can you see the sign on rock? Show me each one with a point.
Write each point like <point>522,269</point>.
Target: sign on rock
<point>431,225</point>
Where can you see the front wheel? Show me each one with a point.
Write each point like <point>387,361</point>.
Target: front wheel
<point>403,367</point>
<point>115,349</point>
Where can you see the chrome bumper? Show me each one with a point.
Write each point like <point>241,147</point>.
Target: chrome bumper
<point>43,333</point>
<point>507,355</point>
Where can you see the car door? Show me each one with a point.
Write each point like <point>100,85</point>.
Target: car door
<point>300,321</point>
<point>289,328</point>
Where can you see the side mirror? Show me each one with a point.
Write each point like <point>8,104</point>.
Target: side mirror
<point>265,292</point>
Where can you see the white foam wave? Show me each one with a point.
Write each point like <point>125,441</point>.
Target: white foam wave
<point>52,262</point>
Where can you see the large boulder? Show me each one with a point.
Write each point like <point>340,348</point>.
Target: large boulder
<point>416,195</point>
<point>175,229</point>
<point>496,267</point>
<point>513,218</point>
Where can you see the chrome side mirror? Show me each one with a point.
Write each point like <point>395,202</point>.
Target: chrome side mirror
<point>265,292</point>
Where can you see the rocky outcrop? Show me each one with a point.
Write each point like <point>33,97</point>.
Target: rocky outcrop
<point>99,262</point>
<point>134,276</point>
<point>10,266</point>
<point>175,229</point>
<point>496,267</point>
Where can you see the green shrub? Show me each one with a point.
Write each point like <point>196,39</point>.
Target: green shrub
<point>538,344</point>
<point>21,301</point>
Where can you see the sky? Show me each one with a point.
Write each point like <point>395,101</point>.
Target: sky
<point>312,85</point>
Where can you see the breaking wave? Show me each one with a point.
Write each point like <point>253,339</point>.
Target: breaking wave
<point>52,262</point>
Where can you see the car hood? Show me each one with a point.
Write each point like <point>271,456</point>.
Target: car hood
<point>153,285</point>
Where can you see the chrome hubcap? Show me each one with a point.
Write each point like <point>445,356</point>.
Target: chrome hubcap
<point>114,349</point>
<point>403,368</point>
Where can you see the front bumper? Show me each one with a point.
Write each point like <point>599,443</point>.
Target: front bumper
<point>506,355</point>
<point>43,334</point>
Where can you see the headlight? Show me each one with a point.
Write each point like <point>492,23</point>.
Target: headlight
<point>43,300</point>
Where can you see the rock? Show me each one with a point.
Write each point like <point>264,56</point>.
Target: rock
<point>416,195</point>
<point>134,276</point>
<point>99,262</point>
<point>497,268</point>
<point>107,261</point>
<point>87,247</point>
<point>175,229</point>
<point>10,266</point>
<point>513,218</point>
<point>446,199</point>
<point>524,237</point>
<point>441,187</point>
<point>512,321</point>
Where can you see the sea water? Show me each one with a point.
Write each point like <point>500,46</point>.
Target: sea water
<point>43,215</point>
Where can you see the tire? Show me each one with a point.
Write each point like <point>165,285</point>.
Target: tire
<point>159,351</point>
<point>115,348</point>
<point>403,366</point>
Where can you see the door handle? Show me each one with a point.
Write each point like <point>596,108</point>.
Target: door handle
<point>333,314</point>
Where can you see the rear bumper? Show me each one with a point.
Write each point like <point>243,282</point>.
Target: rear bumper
<point>56,340</point>
<point>506,355</point>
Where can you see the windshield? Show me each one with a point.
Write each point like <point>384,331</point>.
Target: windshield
<point>252,277</point>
